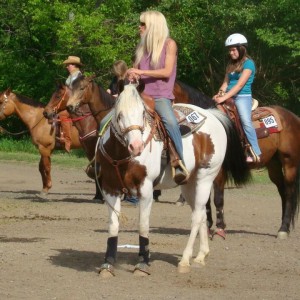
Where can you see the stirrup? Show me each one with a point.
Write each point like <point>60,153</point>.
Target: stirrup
<point>180,174</point>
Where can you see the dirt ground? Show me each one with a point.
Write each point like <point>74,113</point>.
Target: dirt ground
<point>52,248</point>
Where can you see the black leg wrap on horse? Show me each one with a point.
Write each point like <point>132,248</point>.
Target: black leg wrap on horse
<point>144,253</point>
<point>111,250</point>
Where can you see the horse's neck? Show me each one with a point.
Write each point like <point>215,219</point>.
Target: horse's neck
<point>85,124</point>
<point>28,114</point>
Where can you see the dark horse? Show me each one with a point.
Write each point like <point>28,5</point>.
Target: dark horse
<point>280,155</point>
<point>42,133</point>
<point>85,123</point>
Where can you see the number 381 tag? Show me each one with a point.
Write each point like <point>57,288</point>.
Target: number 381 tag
<point>270,122</point>
<point>194,117</point>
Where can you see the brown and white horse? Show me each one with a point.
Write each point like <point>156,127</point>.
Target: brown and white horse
<point>130,160</point>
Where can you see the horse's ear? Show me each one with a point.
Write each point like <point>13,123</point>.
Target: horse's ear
<point>92,77</point>
<point>140,88</point>
<point>59,84</point>
<point>8,91</point>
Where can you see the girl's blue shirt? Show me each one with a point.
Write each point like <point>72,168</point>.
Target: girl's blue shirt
<point>234,77</point>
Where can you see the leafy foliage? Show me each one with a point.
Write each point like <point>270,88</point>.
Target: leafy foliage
<point>37,35</point>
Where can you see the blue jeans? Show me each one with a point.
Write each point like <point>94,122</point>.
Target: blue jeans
<point>164,108</point>
<point>243,104</point>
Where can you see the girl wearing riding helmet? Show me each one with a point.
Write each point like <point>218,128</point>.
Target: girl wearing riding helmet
<point>237,84</point>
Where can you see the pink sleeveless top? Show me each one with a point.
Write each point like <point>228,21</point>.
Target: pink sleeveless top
<point>156,87</point>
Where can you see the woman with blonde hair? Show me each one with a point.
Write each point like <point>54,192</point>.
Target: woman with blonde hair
<point>156,63</point>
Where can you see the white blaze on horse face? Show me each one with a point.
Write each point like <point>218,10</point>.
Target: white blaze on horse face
<point>130,111</point>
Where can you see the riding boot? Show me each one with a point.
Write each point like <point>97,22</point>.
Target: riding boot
<point>179,172</point>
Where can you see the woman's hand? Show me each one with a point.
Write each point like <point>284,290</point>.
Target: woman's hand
<point>134,74</point>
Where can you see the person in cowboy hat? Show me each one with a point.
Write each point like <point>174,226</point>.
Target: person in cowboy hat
<point>72,64</point>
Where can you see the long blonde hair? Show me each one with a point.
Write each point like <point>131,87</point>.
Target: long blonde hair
<point>154,37</point>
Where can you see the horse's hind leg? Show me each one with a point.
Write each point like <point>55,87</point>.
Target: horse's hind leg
<point>197,196</point>
<point>277,177</point>
<point>219,185</point>
<point>45,170</point>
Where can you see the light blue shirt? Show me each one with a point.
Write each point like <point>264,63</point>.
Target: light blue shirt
<point>235,76</point>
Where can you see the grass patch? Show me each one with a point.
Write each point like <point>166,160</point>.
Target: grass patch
<point>24,150</point>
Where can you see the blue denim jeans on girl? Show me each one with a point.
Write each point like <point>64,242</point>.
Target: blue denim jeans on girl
<point>243,104</point>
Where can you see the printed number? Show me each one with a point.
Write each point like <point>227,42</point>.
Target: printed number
<point>270,121</point>
<point>194,117</point>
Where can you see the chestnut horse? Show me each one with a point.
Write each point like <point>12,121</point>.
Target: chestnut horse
<point>42,133</point>
<point>280,155</point>
<point>121,168</point>
<point>83,120</point>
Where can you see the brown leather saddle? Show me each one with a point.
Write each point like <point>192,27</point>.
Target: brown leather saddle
<point>265,120</point>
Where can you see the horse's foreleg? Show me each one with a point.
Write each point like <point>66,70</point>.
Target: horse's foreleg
<point>114,207</point>
<point>45,171</point>
<point>142,268</point>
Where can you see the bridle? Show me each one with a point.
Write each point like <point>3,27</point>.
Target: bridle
<point>58,105</point>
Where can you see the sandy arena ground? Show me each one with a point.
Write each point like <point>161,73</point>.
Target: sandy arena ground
<point>52,248</point>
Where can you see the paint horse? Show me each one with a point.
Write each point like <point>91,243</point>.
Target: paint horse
<point>85,123</point>
<point>130,161</point>
<point>42,133</point>
<point>280,155</point>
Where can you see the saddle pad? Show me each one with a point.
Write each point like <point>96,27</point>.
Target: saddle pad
<point>188,119</point>
<point>266,117</point>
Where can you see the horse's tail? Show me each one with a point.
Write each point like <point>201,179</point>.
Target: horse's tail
<point>234,165</point>
<point>296,198</point>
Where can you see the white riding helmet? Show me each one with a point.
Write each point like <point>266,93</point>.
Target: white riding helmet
<point>236,39</point>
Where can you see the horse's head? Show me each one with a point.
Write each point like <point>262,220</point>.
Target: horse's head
<point>5,109</point>
<point>81,92</point>
<point>129,119</point>
<point>58,101</point>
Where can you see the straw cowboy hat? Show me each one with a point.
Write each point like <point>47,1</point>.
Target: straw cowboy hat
<point>73,60</point>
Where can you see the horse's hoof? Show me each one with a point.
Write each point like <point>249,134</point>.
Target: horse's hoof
<point>105,274</point>
<point>183,269</point>
<point>106,271</point>
<point>141,269</point>
<point>97,200</point>
<point>210,233</point>
<point>220,232</point>
<point>282,235</point>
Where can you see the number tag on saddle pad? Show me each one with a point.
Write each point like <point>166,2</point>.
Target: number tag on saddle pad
<point>188,119</point>
<point>270,121</point>
<point>194,117</point>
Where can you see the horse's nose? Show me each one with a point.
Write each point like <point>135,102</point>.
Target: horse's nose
<point>45,114</point>
<point>136,147</point>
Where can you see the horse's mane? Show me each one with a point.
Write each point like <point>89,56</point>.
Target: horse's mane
<point>108,100</point>
<point>29,101</point>
<point>196,97</point>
